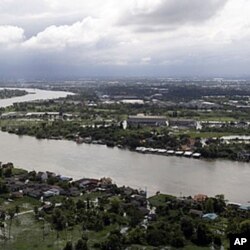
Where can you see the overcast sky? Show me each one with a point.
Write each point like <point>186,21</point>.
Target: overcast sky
<point>54,38</point>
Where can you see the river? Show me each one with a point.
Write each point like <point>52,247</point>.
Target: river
<point>34,94</point>
<point>172,175</point>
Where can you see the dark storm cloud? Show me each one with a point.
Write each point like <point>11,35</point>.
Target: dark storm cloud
<point>49,38</point>
<point>173,13</point>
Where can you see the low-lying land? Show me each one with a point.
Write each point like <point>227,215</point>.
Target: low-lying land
<point>42,210</point>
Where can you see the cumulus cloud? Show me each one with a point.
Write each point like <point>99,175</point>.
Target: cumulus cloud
<point>92,36</point>
<point>10,35</point>
<point>86,32</point>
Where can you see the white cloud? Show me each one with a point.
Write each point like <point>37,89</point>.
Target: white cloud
<point>10,35</point>
<point>145,60</point>
<point>97,32</point>
<point>86,32</point>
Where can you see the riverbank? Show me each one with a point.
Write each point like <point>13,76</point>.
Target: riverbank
<point>59,125</point>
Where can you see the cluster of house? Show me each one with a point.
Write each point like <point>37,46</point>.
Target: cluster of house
<point>243,210</point>
<point>38,185</point>
<point>239,206</point>
<point>181,123</point>
<point>199,104</point>
<point>38,115</point>
<point>243,156</point>
<point>239,104</point>
<point>225,124</point>
<point>168,152</point>
<point>34,185</point>
<point>157,121</point>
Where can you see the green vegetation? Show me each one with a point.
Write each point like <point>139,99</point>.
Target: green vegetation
<point>9,93</point>
<point>110,218</point>
<point>96,112</point>
<point>132,137</point>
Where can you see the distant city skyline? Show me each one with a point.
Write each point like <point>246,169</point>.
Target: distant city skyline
<point>77,38</point>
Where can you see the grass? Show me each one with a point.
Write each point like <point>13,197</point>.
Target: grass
<point>195,134</point>
<point>17,123</point>
<point>19,171</point>
<point>27,233</point>
<point>25,203</point>
<point>216,118</point>
<point>97,237</point>
<point>194,247</point>
<point>160,199</point>
<point>208,134</point>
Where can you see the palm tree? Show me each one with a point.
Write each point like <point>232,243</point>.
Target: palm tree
<point>11,214</point>
<point>2,220</point>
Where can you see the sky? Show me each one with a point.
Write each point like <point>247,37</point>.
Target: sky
<point>77,38</point>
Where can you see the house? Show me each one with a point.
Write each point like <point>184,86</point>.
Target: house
<point>16,195</point>
<point>188,154</point>
<point>143,120</point>
<point>43,176</point>
<point>244,207</point>
<point>87,183</point>
<point>179,153</point>
<point>47,206</point>
<point>196,213</point>
<point>210,216</point>
<point>182,123</point>
<point>106,181</point>
<point>127,190</point>
<point>73,191</point>
<point>213,124</point>
<point>200,197</point>
<point>170,152</point>
<point>8,165</point>
<point>196,155</point>
<point>35,193</point>
<point>43,115</point>
<point>51,192</point>
<point>140,199</point>
<point>14,185</point>
<point>243,156</point>
<point>65,178</point>
<point>233,205</point>
<point>11,115</point>
<point>50,174</point>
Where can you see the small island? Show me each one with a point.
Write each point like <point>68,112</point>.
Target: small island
<point>9,93</point>
<point>43,210</point>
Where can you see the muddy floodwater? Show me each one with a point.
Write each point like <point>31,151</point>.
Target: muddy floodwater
<point>174,175</point>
